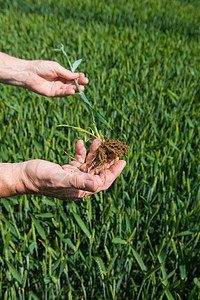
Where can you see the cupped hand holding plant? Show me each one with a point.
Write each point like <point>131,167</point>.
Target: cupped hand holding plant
<point>68,182</point>
<point>106,173</point>
<point>65,182</point>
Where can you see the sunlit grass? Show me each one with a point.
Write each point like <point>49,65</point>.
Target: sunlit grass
<point>139,239</point>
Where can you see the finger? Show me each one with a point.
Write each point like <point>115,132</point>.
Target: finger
<point>82,88</point>
<point>74,195</point>
<point>86,182</point>
<point>62,92</point>
<point>103,181</point>
<point>81,75</point>
<point>80,151</point>
<point>94,146</point>
<point>70,167</point>
<point>109,175</point>
<point>103,167</point>
<point>82,80</point>
<point>67,74</point>
<point>68,90</point>
<point>75,163</point>
<point>64,73</point>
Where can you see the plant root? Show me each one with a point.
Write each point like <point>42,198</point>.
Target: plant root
<point>108,150</point>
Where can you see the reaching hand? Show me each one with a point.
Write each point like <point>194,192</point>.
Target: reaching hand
<point>50,79</point>
<point>44,77</point>
<point>68,182</point>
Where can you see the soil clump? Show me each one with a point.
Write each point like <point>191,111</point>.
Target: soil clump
<point>108,150</point>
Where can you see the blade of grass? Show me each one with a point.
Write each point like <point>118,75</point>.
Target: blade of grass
<point>82,225</point>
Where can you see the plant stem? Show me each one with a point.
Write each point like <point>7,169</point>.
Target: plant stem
<point>80,94</point>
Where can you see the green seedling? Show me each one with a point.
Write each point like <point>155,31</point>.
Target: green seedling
<point>90,109</point>
<point>109,149</point>
<point>79,129</point>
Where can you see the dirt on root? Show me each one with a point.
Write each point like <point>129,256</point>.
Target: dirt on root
<point>108,150</point>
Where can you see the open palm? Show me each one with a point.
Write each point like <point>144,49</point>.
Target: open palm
<point>67,182</point>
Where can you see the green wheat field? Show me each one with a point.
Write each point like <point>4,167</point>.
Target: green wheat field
<point>141,238</point>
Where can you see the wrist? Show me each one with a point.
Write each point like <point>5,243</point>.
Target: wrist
<point>13,71</point>
<point>12,179</point>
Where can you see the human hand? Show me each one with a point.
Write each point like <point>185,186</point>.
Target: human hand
<point>67,182</point>
<point>44,77</point>
<point>106,173</point>
<point>50,79</point>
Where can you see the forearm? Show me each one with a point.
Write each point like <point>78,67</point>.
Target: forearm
<point>11,179</point>
<point>13,70</point>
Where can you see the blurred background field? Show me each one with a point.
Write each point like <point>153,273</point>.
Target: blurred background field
<point>139,239</point>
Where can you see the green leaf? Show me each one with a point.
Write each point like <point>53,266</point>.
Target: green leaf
<point>10,226</point>
<point>100,262</point>
<point>197,282</point>
<point>76,64</point>
<point>164,272</point>
<point>182,268</point>
<point>7,239</point>
<point>39,228</point>
<point>24,279</point>
<point>48,202</point>
<point>139,260</point>
<point>100,265</point>
<point>76,128</point>
<point>46,215</point>
<point>112,263</point>
<point>14,273</point>
<point>69,243</point>
<point>60,234</point>
<point>32,247</point>
<point>168,294</point>
<point>189,122</point>
<point>107,253</point>
<point>155,269</point>
<point>32,296</point>
<point>118,241</point>
<point>183,233</point>
<point>173,145</point>
<point>63,215</point>
<point>82,225</point>
<point>101,119</point>
<point>173,97</point>
<point>85,99</point>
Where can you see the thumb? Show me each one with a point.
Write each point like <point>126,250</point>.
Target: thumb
<point>67,74</point>
<point>84,182</point>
